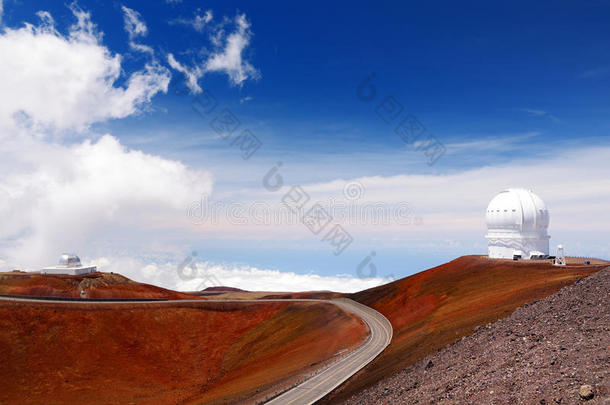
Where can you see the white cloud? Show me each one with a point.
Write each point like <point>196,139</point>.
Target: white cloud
<point>209,274</point>
<point>230,59</point>
<point>495,143</point>
<point>193,74</point>
<point>60,198</point>
<point>68,82</point>
<point>47,23</point>
<point>86,195</point>
<point>134,25</point>
<point>570,180</point>
<point>142,48</point>
<point>227,57</point>
<point>540,113</point>
<point>84,30</point>
<point>198,22</point>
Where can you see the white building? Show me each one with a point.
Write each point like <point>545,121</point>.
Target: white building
<point>69,264</point>
<point>517,222</point>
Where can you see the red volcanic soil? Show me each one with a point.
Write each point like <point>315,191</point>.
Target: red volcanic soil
<point>541,354</point>
<point>436,307</point>
<point>222,288</point>
<point>164,353</point>
<point>95,285</point>
<point>318,295</point>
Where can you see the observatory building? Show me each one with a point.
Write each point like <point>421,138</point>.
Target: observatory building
<point>517,222</point>
<point>69,264</point>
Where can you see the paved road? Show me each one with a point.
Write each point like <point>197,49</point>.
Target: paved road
<point>323,383</point>
<point>317,386</point>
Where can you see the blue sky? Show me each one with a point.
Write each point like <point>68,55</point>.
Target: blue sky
<point>516,94</point>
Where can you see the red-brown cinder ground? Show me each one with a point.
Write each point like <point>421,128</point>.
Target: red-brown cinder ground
<point>542,353</point>
<point>436,307</point>
<point>317,295</point>
<point>95,285</point>
<point>223,288</point>
<point>164,353</point>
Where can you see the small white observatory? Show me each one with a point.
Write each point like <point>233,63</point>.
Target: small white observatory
<point>69,264</point>
<point>517,222</point>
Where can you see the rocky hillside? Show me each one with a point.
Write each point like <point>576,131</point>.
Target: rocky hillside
<point>93,285</point>
<point>436,307</point>
<point>552,351</point>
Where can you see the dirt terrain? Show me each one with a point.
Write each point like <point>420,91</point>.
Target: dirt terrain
<point>94,285</point>
<point>267,295</point>
<point>436,307</point>
<point>547,352</point>
<point>224,352</point>
<point>163,353</point>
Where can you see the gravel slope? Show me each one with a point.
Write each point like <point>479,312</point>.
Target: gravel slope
<point>541,354</point>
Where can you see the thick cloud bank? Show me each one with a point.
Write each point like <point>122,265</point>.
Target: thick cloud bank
<point>195,276</point>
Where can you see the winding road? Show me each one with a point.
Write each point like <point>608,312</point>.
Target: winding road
<point>323,383</point>
<point>318,385</point>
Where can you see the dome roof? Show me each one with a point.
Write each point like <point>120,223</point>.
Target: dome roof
<point>69,260</point>
<point>517,210</point>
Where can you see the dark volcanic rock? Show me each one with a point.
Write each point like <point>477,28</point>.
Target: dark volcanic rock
<point>546,352</point>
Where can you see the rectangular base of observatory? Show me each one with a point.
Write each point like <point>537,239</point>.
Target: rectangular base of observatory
<point>74,271</point>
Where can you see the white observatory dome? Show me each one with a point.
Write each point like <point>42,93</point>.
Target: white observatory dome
<point>69,263</point>
<point>69,260</point>
<point>517,210</point>
<point>517,222</point>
